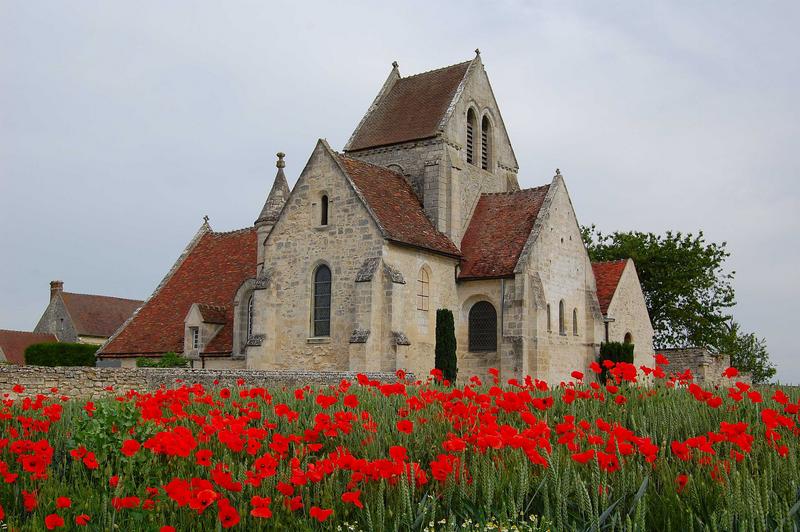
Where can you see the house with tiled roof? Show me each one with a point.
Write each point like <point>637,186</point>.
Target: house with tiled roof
<point>14,343</point>
<point>83,318</point>
<point>421,210</point>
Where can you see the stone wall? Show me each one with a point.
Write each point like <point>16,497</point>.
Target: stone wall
<point>88,382</point>
<point>707,367</point>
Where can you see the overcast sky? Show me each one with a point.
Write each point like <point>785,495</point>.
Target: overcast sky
<point>123,123</point>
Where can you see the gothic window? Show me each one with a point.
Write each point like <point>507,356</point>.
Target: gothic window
<point>322,301</point>
<point>575,321</point>
<point>628,338</point>
<point>471,136</point>
<point>562,320</point>
<point>482,327</point>
<point>549,327</point>
<point>250,317</point>
<point>323,210</point>
<point>423,289</point>
<point>486,143</point>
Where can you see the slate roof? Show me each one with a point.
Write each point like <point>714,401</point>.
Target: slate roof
<point>497,233</point>
<point>606,277</point>
<point>14,343</point>
<point>211,273</point>
<point>98,315</point>
<point>396,206</point>
<point>412,109</point>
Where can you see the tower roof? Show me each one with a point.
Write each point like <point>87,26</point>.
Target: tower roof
<point>277,195</point>
<point>412,108</point>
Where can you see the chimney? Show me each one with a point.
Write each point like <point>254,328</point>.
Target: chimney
<point>56,287</point>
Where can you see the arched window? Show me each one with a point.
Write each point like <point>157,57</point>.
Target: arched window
<point>562,320</point>
<point>486,143</point>
<point>471,127</point>
<point>549,327</point>
<point>628,338</point>
<point>323,210</point>
<point>482,327</point>
<point>575,321</point>
<point>423,289</point>
<point>250,317</point>
<point>322,301</point>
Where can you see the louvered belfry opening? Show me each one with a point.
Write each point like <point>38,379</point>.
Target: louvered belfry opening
<point>471,136</point>
<point>322,301</point>
<point>485,140</point>
<point>482,327</point>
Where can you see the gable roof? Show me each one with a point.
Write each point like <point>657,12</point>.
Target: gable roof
<point>210,272</point>
<point>606,277</point>
<point>14,343</point>
<point>395,205</point>
<point>213,313</point>
<point>497,232</point>
<point>94,315</point>
<point>412,109</point>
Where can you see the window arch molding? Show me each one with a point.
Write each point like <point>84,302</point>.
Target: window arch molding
<point>321,299</point>
<point>244,310</point>
<point>482,327</point>
<point>321,209</point>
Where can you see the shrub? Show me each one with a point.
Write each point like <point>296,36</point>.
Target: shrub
<point>615,352</point>
<point>446,344</point>
<point>170,359</point>
<point>60,354</point>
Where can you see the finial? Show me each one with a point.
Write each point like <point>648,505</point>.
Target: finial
<point>205,219</point>
<point>477,51</point>
<point>558,172</point>
<point>281,163</point>
<point>395,64</point>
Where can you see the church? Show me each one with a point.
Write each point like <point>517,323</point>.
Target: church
<point>421,210</point>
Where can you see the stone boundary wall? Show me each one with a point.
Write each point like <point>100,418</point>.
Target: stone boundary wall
<point>89,382</point>
<point>707,367</point>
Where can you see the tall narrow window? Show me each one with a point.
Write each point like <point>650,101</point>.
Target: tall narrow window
<point>195,337</point>
<point>423,289</point>
<point>482,327</point>
<point>628,338</point>
<point>250,317</point>
<point>323,209</point>
<point>562,320</point>
<point>322,301</point>
<point>575,321</point>
<point>549,326</point>
<point>471,136</point>
<point>486,143</point>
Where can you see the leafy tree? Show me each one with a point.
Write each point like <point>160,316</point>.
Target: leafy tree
<point>747,352</point>
<point>445,360</point>
<point>686,288</point>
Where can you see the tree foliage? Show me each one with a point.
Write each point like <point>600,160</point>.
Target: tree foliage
<point>687,290</point>
<point>446,344</point>
<point>60,354</point>
<point>170,359</point>
<point>747,352</point>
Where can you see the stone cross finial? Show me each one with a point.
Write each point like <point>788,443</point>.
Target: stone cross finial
<point>281,163</point>
<point>477,51</point>
<point>558,172</point>
<point>395,64</point>
<point>205,218</point>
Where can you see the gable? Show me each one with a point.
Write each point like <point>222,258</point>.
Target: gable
<point>412,108</point>
<point>498,231</point>
<point>211,272</point>
<point>607,276</point>
<point>94,315</point>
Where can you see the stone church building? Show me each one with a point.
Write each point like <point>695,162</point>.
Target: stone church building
<point>421,210</point>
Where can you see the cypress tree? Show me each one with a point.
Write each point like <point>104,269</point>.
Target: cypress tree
<point>446,344</point>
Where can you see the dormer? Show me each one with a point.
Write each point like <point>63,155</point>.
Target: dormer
<point>201,325</point>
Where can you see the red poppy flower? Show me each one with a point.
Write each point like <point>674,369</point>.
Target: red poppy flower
<point>730,373</point>
<point>227,514</point>
<point>319,514</point>
<point>294,503</point>
<point>405,426</point>
<point>167,528</point>
<point>353,497</point>
<point>584,457</point>
<point>130,447</point>
<point>82,520</point>
<point>577,375</point>
<point>260,507</point>
<point>53,521</point>
<point>18,388</point>
<point>29,501</point>
<point>682,479</point>
<point>63,502</point>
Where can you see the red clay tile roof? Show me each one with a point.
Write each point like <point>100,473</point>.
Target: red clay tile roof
<point>98,315</point>
<point>606,277</point>
<point>396,206</point>
<point>411,110</point>
<point>211,272</point>
<point>498,231</point>
<point>213,313</point>
<point>14,343</point>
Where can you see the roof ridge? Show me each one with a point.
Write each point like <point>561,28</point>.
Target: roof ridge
<point>615,261</point>
<point>435,70</point>
<point>362,161</point>
<point>232,231</point>
<point>512,192</point>
<point>101,295</point>
<point>26,332</point>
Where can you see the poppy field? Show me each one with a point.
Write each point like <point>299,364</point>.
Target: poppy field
<point>649,450</point>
